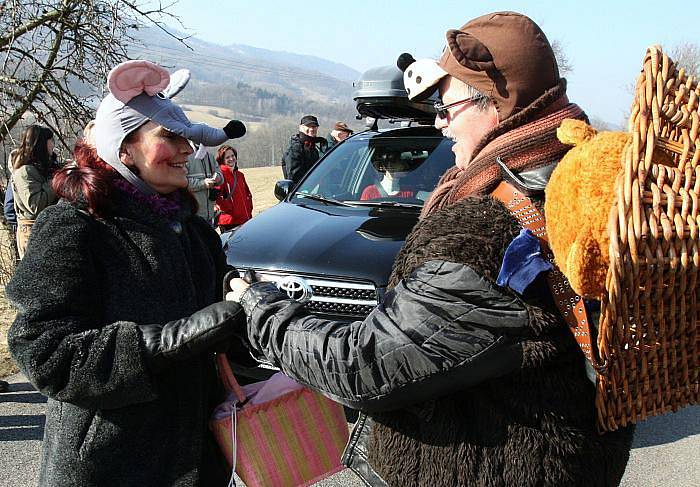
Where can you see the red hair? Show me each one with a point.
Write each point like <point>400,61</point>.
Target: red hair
<point>91,180</point>
<point>222,151</point>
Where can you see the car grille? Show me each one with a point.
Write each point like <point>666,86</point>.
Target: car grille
<point>332,296</point>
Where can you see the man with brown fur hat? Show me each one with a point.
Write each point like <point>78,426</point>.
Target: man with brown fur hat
<point>469,373</point>
<point>340,132</point>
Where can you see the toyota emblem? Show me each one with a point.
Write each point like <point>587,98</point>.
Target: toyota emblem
<point>296,288</point>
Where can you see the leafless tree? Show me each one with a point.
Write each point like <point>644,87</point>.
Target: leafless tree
<point>687,55</point>
<point>55,55</point>
<point>565,66</point>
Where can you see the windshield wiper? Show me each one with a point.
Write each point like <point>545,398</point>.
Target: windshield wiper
<point>322,199</point>
<point>387,203</point>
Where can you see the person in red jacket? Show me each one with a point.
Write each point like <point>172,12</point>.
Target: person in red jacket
<point>235,202</point>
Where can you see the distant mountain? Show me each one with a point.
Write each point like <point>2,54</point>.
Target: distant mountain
<point>268,90</point>
<point>303,61</point>
<point>294,75</point>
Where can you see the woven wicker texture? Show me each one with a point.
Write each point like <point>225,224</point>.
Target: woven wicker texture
<point>648,334</point>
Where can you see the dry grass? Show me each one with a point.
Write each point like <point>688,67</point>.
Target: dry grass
<point>215,116</point>
<point>262,183</point>
<point>7,315</point>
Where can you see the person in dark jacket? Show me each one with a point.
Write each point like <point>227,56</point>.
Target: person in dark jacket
<point>465,377</point>
<point>119,303</point>
<point>302,152</point>
<point>10,220</point>
<point>9,203</point>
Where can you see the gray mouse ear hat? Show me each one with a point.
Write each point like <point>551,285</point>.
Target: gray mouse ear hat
<point>140,91</point>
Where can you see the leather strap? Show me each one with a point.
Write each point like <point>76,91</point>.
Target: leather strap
<point>569,303</point>
<point>228,379</point>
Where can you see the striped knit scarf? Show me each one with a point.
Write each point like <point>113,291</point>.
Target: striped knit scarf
<point>527,140</point>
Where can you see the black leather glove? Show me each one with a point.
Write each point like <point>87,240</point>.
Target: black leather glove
<point>188,337</point>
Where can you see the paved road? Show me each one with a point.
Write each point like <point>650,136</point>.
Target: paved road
<point>665,451</point>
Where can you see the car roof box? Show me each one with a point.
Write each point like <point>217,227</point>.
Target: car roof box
<point>380,93</point>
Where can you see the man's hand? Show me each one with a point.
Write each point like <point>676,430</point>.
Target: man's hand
<point>212,181</point>
<point>238,287</point>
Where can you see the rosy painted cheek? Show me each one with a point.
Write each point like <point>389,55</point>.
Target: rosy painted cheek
<point>161,154</point>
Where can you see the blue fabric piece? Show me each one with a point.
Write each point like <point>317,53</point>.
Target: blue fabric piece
<point>9,206</point>
<point>522,262</point>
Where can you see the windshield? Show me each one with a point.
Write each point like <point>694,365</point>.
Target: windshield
<point>400,171</point>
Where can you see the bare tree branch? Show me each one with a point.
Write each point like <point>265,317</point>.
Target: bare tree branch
<point>31,25</point>
<point>14,118</point>
<point>687,55</point>
<point>55,56</point>
<point>565,66</point>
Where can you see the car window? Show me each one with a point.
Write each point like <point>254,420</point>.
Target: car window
<point>380,170</point>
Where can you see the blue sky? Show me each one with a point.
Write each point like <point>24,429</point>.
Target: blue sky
<point>605,41</point>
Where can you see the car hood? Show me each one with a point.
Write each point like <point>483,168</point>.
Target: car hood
<point>332,241</point>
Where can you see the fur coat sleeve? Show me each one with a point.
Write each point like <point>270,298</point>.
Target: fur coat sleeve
<point>58,338</point>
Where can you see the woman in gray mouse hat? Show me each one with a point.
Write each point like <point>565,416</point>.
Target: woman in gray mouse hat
<point>119,303</point>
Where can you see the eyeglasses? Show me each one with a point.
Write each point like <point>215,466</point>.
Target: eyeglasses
<point>441,109</point>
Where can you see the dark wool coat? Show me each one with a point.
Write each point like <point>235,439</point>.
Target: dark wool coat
<point>81,290</point>
<point>467,383</point>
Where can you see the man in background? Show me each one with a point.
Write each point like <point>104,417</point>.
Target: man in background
<point>339,133</point>
<point>302,152</point>
<point>203,174</point>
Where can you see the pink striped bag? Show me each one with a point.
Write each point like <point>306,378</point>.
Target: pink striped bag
<point>293,439</point>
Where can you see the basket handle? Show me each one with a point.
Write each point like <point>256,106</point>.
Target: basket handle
<point>228,379</point>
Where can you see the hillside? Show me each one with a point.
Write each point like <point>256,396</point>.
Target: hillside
<point>298,77</point>
<point>268,90</point>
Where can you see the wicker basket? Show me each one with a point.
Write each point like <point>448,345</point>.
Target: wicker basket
<point>648,333</point>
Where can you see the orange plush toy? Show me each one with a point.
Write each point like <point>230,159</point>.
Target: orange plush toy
<point>579,197</point>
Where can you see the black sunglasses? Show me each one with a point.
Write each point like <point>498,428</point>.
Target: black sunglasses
<point>441,110</point>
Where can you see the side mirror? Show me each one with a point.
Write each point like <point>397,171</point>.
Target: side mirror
<point>282,188</point>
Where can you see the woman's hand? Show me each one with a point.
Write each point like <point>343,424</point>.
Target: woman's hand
<point>238,287</point>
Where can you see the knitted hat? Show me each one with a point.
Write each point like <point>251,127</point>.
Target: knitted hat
<point>503,55</point>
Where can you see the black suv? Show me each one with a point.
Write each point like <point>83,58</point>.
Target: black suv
<point>332,239</point>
